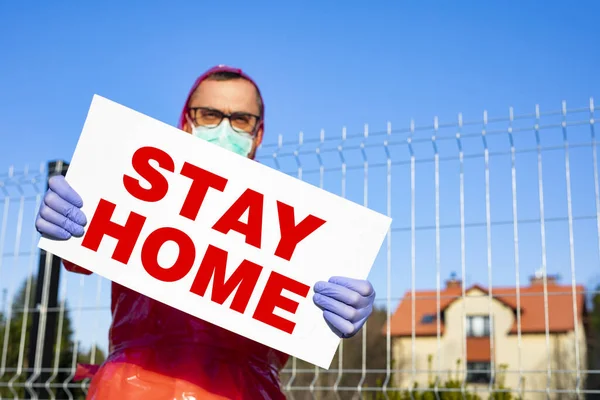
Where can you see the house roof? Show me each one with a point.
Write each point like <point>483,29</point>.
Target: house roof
<point>560,308</point>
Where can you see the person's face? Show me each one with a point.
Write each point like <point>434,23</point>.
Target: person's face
<point>230,96</point>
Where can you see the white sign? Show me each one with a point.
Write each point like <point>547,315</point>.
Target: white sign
<point>211,233</point>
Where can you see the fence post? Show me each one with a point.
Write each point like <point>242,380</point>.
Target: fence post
<point>44,322</point>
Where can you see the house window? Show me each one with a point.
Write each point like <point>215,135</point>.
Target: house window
<point>478,326</point>
<point>479,372</point>
<point>428,319</point>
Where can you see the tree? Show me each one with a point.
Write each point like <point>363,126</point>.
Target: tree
<point>593,339</point>
<point>15,329</point>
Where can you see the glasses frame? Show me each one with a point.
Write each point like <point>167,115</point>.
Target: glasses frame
<point>223,115</point>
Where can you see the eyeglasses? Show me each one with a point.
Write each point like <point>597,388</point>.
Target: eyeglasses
<point>209,117</point>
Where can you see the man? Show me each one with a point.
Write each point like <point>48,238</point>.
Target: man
<point>158,352</point>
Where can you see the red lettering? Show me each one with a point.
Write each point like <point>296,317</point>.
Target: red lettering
<point>272,298</point>
<point>184,261</point>
<point>244,279</point>
<point>126,235</point>
<point>251,201</point>
<point>292,234</point>
<point>202,180</point>
<point>158,183</point>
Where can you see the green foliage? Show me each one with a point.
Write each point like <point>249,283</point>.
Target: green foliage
<point>15,330</point>
<point>448,390</point>
<point>451,389</point>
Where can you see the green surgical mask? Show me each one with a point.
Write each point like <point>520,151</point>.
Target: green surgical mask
<point>224,136</point>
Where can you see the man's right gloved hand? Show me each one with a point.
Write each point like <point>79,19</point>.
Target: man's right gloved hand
<point>60,215</point>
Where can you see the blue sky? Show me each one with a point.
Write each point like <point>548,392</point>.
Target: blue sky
<point>324,65</point>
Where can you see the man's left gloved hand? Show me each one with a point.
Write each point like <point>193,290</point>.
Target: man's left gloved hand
<point>346,304</point>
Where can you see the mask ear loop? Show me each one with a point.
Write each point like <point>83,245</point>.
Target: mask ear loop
<point>187,117</point>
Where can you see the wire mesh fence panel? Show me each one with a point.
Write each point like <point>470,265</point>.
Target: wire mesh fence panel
<point>42,323</point>
<point>487,283</point>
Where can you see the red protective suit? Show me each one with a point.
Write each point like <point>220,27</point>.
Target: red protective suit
<point>158,352</point>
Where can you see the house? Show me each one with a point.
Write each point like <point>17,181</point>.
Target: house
<point>500,338</point>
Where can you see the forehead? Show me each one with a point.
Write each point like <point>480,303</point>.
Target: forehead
<point>227,96</point>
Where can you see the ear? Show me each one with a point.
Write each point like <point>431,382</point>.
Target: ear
<point>259,137</point>
<point>257,141</point>
<point>186,127</point>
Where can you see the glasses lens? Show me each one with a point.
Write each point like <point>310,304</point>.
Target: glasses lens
<point>205,117</point>
<point>242,122</point>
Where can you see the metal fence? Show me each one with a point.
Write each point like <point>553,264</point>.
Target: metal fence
<point>489,202</point>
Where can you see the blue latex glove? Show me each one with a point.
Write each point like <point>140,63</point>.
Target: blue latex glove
<point>60,216</point>
<point>346,304</point>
